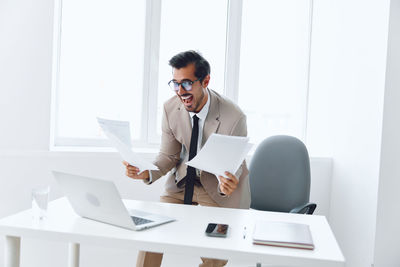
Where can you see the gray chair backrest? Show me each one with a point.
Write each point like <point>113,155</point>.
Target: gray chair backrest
<point>280,174</point>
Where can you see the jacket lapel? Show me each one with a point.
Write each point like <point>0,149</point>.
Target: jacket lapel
<point>212,120</point>
<point>186,126</point>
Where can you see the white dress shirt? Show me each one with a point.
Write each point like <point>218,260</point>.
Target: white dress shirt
<point>202,115</point>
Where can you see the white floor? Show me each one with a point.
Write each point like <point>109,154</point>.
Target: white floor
<point>35,253</point>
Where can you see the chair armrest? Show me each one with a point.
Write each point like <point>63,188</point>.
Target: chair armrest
<point>307,208</point>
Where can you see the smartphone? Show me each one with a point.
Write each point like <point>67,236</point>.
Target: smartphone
<point>217,229</point>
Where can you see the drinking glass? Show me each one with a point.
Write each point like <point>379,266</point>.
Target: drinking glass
<point>40,199</point>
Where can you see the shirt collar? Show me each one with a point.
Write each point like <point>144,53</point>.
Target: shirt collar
<point>204,111</point>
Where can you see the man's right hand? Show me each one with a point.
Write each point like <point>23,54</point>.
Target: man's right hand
<point>132,172</point>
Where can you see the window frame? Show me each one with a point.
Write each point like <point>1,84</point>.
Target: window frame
<point>149,137</point>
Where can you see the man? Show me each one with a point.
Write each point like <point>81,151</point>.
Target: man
<point>189,118</point>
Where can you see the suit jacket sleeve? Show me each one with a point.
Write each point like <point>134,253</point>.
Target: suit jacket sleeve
<point>240,129</point>
<point>170,150</point>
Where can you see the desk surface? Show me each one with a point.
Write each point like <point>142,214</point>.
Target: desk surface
<point>186,235</point>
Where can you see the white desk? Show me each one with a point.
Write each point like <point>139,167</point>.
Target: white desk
<point>186,235</point>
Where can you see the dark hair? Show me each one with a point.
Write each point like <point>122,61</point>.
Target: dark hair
<point>181,60</point>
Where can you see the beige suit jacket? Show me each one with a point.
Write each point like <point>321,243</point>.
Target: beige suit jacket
<point>224,117</point>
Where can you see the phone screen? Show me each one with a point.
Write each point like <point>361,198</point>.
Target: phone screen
<point>217,229</point>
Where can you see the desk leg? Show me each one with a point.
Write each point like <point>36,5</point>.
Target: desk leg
<point>12,251</point>
<point>73,258</point>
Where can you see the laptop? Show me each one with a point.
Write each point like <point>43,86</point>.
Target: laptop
<point>100,200</point>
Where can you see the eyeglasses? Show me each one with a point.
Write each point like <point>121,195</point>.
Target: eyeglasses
<point>186,84</point>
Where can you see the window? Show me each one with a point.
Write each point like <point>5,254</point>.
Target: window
<point>274,59</point>
<point>100,67</point>
<point>176,37</point>
<point>112,61</point>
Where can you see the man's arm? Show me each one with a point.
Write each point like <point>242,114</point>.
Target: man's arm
<point>167,158</point>
<point>240,129</point>
<point>170,150</point>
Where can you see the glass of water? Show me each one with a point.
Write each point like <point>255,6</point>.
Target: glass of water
<point>40,199</point>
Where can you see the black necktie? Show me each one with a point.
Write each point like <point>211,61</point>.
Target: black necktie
<point>191,172</point>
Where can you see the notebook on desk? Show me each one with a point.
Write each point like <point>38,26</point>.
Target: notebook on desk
<point>283,234</point>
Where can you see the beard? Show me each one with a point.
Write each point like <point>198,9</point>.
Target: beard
<point>197,102</point>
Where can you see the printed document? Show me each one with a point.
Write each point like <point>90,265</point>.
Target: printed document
<point>221,153</point>
<point>118,133</point>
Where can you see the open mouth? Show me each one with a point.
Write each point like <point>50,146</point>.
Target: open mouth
<point>187,99</point>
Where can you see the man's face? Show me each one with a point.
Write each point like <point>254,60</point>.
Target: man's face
<point>195,99</point>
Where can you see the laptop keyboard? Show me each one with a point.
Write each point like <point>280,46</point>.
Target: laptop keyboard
<point>138,220</point>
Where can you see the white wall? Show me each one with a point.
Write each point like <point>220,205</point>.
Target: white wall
<point>25,162</point>
<point>25,56</point>
<point>345,114</point>
<point>388,213</point>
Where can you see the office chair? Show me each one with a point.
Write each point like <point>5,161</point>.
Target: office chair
<point>280,176</point>
<point>280,179</point>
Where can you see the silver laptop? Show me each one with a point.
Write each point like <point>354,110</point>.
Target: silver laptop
<point>99,200</point>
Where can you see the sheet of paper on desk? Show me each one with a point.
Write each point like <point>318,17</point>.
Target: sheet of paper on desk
<point>221,153</point>
<point>118,133</point>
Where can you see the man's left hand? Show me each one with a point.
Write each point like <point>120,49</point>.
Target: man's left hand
<point>228,185</point>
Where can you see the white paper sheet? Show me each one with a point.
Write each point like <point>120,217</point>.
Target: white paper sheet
<point>118,133</point>
<point>119,129</point>
<point>221,153</point>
